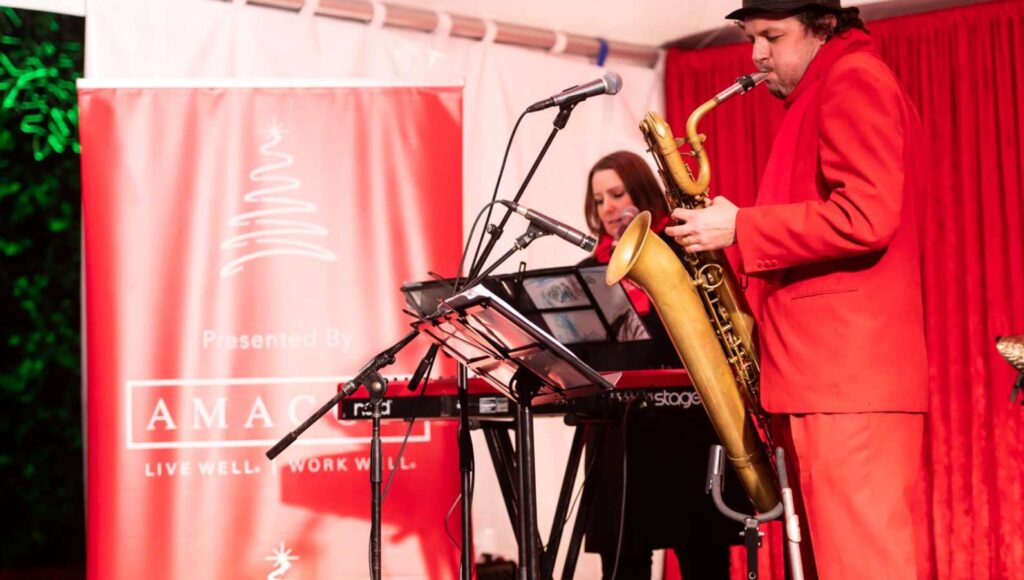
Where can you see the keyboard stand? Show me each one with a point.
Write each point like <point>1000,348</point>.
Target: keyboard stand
<point>527,365</point>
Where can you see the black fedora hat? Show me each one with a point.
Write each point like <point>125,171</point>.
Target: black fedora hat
<point>779,6</point>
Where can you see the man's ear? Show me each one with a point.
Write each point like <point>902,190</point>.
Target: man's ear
<point>832,23</point>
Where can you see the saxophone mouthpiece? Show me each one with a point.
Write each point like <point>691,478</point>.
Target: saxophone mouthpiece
<point>742,85</point>
<point>754,79</point>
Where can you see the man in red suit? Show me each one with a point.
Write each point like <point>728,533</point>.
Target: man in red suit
<point>832,247</point>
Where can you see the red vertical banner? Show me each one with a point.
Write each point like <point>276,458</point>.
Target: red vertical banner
<point>243,253</point>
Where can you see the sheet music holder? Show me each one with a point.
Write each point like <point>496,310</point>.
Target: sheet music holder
<point>525,363</point>
<point>573,305</point>
<point>499,344</point>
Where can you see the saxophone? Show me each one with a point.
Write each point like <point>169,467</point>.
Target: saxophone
<point>702,305</point>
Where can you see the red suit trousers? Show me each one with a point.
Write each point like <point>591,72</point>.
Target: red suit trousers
<point>856,487</point>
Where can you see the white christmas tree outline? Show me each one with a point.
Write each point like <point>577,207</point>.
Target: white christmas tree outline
<point>282,560</point>
<point>274,231</point>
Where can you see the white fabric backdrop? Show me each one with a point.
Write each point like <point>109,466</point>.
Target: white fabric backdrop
<point>73,7</point>
<point>177,39</point>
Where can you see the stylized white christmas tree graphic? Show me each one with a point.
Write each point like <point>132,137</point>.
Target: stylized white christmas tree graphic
<point>274,226</point>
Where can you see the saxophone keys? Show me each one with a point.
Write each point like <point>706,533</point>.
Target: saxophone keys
<point>711,276</point>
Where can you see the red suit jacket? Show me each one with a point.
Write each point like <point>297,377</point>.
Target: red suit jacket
<point>832,242</point>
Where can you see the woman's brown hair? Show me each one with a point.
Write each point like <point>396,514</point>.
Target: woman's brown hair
<point>640,182</point>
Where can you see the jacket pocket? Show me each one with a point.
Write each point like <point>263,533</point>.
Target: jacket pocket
<point>810,292</point>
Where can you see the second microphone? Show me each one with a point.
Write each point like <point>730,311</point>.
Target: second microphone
<point>555,227</point>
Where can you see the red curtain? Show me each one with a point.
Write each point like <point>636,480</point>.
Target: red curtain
<point>964,69</point>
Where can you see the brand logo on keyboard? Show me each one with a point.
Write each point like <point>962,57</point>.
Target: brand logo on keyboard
<point>366,409</point>
<point>662,398</point>
<point>682,399</point>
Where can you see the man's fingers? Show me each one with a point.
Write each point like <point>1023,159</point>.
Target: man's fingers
<point>682,214</point>
<point>679,231</point>
<point>688,241</point>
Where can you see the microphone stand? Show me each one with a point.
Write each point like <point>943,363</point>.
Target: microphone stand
<point>495,232</point>
<point>532,233</point>
<point>465,441</point>
<point>376,385</point>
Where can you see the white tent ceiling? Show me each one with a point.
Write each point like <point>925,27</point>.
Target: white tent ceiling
<point>644,22</point>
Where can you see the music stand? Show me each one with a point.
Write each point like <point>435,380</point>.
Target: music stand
<point>527,365</point>
<point>597,322</point>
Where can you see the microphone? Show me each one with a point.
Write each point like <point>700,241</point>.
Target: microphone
<point>571,235</point>
<point>609,83</point>
<point>426,363</point>
<point>626,217</point>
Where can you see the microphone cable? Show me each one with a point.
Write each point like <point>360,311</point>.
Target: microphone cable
<point>497,185</point>
<point>408,432</point>
<point>465,248</point>
<point>625,480</point>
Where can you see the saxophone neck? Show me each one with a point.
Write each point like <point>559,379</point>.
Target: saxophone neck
<point>696,140</point>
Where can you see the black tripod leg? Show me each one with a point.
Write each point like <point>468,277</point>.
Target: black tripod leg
<point>466,466</point>
<point>529,563</point>
<point>503,457</point>
<point>499,444</point>
<point>580,524</point>
<point>562,508</point>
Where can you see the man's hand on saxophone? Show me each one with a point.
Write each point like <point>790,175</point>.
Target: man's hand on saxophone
<point>710,228</point>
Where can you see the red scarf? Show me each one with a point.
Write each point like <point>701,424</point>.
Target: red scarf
<point>840,45</point>
<point>603,254</point>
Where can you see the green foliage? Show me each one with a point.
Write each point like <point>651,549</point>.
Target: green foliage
<point>41,462</point>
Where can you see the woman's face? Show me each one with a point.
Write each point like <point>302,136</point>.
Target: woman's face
<point>610,197</point>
